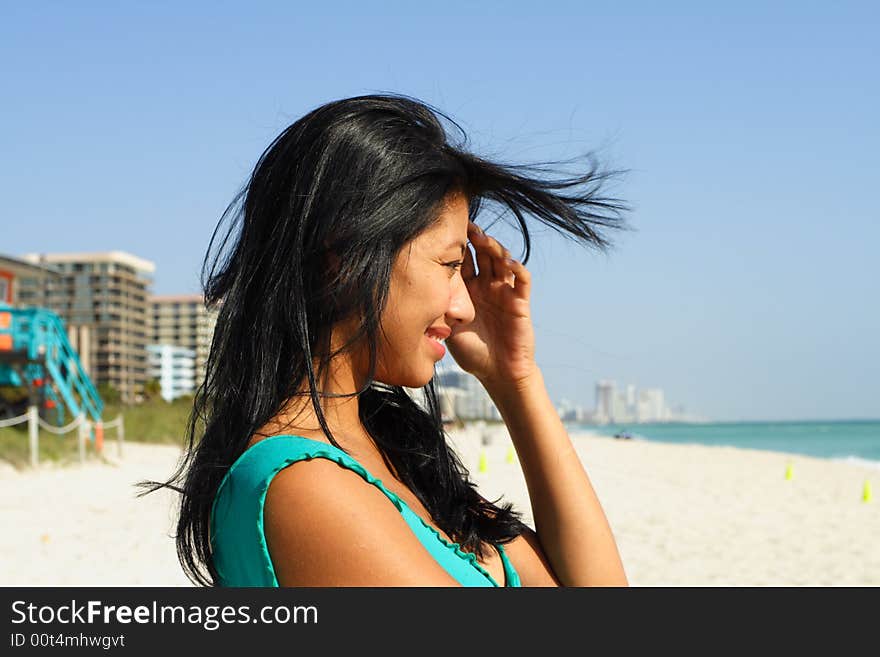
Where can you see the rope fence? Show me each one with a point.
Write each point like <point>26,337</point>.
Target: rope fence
<point>83,426</point>
<point>60,430</point>
<point>117,424</point>
<point>13,421</point>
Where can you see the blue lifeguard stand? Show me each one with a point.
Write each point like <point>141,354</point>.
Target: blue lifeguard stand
<point>35,354</point>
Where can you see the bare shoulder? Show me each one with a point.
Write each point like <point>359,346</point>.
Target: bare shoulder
<point>528,558</point>
<point>326,526</point>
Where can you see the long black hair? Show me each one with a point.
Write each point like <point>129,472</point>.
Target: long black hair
<point>357,178</point>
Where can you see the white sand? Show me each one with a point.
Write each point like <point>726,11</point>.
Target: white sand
<point>81,525</point>
<point>682,515</point>
<point>691,515</point>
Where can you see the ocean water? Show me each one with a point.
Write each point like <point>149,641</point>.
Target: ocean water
<point>846,440</point>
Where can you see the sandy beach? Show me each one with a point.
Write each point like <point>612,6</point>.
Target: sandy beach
<point>691,515</point>
<point>81,525</point>
<point>683,515</point>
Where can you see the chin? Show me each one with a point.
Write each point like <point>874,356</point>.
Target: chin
<point>414,369</point>
<point>407,379</point>
<point>418,381</point>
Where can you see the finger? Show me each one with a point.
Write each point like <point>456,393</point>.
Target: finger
<point>522,278</point>
<point>502,268</point>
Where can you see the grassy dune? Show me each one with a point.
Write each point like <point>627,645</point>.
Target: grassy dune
<point>156,421</point>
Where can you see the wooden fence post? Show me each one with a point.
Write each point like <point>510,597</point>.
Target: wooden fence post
<point>34,434</point>
<point>81,437</point>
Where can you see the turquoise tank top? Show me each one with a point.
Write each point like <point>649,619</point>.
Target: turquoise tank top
<point>241,556</point>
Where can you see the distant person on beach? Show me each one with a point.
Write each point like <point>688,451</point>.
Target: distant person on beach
<point>344,276</point>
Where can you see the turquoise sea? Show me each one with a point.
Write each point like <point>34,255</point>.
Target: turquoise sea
<point>848,440</point>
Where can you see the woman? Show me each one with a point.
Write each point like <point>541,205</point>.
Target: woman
<point>344,277</point>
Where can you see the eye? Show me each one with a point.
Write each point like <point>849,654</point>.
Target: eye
<point>454,265</point>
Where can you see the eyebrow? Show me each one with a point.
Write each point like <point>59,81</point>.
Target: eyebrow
<point>455,243</point>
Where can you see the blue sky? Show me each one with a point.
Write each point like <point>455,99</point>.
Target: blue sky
<point>749,287</point>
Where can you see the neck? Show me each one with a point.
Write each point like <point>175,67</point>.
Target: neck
<point>341,414</point>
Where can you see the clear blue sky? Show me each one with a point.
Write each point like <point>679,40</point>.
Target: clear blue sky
<point>749,289</point>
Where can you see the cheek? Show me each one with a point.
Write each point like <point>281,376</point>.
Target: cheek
<point>418,301</point>
<point>442,290</point>
<point>432,305</point>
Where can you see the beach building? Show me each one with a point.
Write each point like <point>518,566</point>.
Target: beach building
<point>615,406</point>
<point>620,408</point>
<point>184,321</point>
<point>464,395</point>
<point>450,399</point>
<point>606,391</point>
<point>102,298</point>
<point>652,406</point>
<point>174,367</point>
<point>17,275</point>
<point>631,401</point>
<point>568,411</point>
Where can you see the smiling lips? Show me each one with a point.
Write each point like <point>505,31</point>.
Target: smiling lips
<point>440,332</point>
<point>436,335</point>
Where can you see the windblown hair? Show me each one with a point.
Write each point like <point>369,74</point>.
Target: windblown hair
<point>357,178</point>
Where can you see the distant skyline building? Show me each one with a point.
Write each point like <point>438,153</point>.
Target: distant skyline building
<point>463,395</point>
<point>183,320</point>
<point>102,298</point>
<point>605,394</point>
<point>571,412</point>
<point>630,405</point>
<point>652,406</point>
<point>620,409</point>
<point>174,367</point>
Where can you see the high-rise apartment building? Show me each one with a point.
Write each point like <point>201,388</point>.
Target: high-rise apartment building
<point>182,320</point>
<point>652,406</point>
<point>16,275</point>
<point>606,391</point>
<point>462,395</point>
<point>174,368</point>
<point>102,297</point>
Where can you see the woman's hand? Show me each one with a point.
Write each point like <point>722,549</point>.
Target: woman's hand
<point>498,347</point>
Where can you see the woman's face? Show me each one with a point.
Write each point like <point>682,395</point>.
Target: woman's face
<point>427,295</point>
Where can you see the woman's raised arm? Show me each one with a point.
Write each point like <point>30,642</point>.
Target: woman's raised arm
<point>569,520</point>
<point>498,347</point>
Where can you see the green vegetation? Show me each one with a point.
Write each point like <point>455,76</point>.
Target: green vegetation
<point>15,447</point>
<point>154,421</point>
<point>152,390</point>
<point>13,394</point>
<point>108,393</point>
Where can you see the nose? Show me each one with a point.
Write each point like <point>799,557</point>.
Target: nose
<point>461,308</point>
